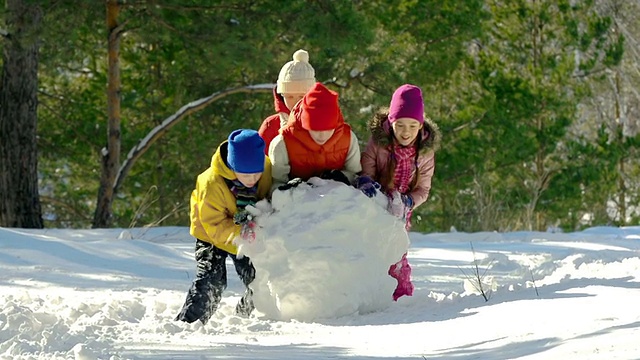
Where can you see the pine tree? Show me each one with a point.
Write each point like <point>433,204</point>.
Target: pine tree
<point>533,66</point>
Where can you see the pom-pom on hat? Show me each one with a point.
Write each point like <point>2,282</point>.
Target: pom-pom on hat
<point>406,102</point>
<point>297,76</point>
<point>320,109</point>
<point>245,152</point>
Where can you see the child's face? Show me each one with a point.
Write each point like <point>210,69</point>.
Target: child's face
<point>406,130</point>
<point>248,180</point>
<point>291,99</point>
<point>321,137</point>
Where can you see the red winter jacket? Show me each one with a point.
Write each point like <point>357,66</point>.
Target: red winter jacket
<point>270,127</point>
<point>306,157</point>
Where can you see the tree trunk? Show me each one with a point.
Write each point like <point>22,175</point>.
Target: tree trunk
<point>111,155</point>
<point>19,198</point>
<point>622,187</point>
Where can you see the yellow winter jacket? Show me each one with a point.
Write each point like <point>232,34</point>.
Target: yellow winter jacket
<point>213,204</point>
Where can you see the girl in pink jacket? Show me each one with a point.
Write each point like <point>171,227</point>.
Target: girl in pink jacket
<point>399,160</point>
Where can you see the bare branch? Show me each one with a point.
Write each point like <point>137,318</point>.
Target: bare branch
<point>146,203</point>
<point>156,133</point>
<point>476,279</point>
<point>534,283</point>
<point>119,30</point>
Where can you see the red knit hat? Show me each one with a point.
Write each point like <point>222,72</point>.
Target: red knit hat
<point>320,109</point>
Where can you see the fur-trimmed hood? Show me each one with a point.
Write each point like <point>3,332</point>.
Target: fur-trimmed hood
<point>380,129</point>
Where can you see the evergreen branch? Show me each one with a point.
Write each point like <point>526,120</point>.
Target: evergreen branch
<point>179,7</point>
<point>190,40</point>
<point>591,73</point>
<point>470,123</point>
<point>62,118</point>
<point>164,24</point>
<point>440,39</point>
<point>370,87</point>
<point>495,167</point>
<point>334,81</point>
<point>56,202</point>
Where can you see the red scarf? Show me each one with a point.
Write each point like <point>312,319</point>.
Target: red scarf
<point>405,157</point>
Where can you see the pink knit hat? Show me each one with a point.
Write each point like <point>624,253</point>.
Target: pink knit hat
<point>406,102</point>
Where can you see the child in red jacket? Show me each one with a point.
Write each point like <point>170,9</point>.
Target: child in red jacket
<point>295,79</point>
<point>399,160</point>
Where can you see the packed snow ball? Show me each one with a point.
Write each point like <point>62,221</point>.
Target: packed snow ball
<point>322,250</point>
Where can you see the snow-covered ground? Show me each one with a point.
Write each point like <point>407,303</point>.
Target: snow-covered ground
<point>113,294</point>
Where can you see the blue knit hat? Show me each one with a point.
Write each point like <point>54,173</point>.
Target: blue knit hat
<point>245,152</point>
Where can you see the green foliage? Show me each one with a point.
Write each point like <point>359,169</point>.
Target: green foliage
<point>501,78</point>
<point>171,54</point>
<point>525,66</point>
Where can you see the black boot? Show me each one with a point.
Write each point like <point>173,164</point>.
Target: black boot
<point>247,274</point>
<point>245,305</point>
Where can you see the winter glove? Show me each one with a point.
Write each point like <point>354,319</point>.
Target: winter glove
<point>407,200</point>
<point>247,225</point>
<point>395,206</point>
<point>399,205</point>
<point>335,175</point>
<point>242,217</point>
<point>291,184</point>
<point>247,231</point>
<point>367,186</point>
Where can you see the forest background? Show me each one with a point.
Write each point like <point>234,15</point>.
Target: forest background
<point>110,109</point>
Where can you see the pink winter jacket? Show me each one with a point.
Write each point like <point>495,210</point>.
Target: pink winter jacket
<point>376,157</point>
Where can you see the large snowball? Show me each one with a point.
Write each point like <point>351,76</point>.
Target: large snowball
<point>323,251</point>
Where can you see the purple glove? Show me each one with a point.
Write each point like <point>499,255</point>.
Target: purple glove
<point>367,186</point>
<point>407,200</point>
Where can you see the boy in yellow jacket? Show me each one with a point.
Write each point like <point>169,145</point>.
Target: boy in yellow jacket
<point>239,175</point>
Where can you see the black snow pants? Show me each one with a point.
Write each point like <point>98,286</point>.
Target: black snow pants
<point>205,293</point>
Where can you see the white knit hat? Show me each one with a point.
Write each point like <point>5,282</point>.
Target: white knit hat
<point>296,76</point>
